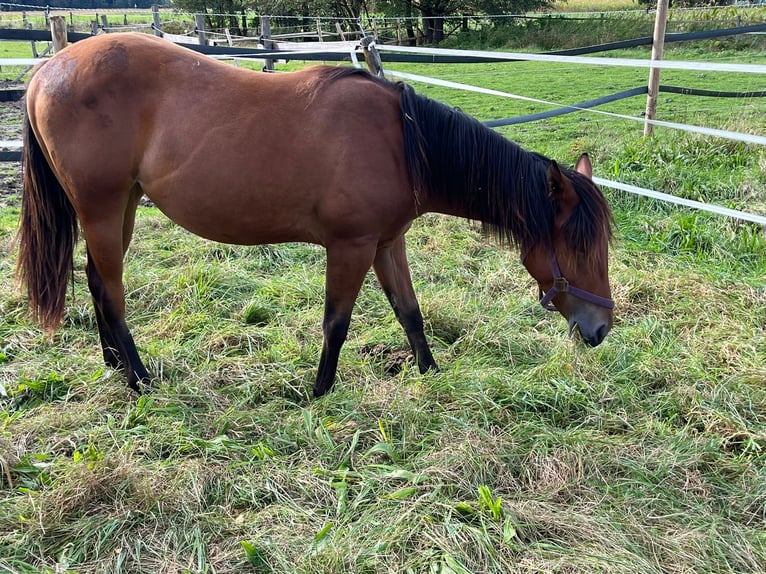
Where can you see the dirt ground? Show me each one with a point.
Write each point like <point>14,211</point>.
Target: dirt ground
<point>11,114</point>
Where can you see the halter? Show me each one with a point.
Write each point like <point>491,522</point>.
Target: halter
<point>561,285</point>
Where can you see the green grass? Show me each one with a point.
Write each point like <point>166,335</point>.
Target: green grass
<point>526,453</point>
<point>594,5</point>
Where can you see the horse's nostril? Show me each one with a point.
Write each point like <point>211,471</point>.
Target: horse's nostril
<point>595,337</point>
<point>600,334</point>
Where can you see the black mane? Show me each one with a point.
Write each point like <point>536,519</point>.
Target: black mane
<point>493,180</point>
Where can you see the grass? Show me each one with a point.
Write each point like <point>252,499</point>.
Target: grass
<point>526,453</point>
<point>594,5</point>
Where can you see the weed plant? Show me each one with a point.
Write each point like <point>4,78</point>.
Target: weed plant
<point>526,453</point>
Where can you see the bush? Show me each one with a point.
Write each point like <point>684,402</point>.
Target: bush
<point>550,32</point>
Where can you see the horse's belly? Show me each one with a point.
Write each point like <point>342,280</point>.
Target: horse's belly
<point>318,192</point>
<point>222,218</point>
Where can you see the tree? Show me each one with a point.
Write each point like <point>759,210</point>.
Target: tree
<point>434,12</point>
<point>219,14</point>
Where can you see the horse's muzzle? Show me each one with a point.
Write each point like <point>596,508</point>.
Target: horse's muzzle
<point>591,333</point>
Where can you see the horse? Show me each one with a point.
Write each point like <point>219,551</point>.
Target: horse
<point>328,155</point>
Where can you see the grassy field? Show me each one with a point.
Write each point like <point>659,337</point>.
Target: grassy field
<point>526,453</point>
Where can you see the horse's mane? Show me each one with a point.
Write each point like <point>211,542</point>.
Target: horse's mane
<point>493,180</point>
<point>475,169</point>
<point>490,178</point>
<point>592,219</point>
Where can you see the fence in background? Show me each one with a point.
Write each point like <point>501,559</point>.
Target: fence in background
<point>246,24</point>
<point>392,54</point>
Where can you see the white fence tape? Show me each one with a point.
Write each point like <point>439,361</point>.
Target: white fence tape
<point>712,208</point>
<point>20,61</point>
<point>736,136</point>
<point>623,62</point>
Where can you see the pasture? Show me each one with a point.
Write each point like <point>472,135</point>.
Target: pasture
<point>526,453</point>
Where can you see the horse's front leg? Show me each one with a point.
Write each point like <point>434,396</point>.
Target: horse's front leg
<point>347,264</point>
<point>393,274</point>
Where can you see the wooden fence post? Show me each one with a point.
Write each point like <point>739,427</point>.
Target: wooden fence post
<point>199,20</point>
<point>658,44</point>
<point>372,56</point>
<point>156,20</point>
<point>267,42</point>
<point>58,32</point>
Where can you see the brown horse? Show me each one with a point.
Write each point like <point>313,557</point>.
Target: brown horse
<point>327,155</point>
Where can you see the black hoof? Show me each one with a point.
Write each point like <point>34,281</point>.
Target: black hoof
<point>321,390</point>
<point>141,385</point>
<point>112,359</point>
<point>432,368</point>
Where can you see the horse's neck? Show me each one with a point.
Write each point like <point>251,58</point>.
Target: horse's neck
<point>488,187</point>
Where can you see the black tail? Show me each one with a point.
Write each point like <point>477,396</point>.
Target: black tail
<point>47,235</point>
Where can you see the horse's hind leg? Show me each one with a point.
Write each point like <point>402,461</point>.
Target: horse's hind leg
<point>108,343</point>
<point>106,248</point>
<point>393,274</point>
<point>347,264</point>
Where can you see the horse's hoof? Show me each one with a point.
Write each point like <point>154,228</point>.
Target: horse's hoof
<point>321,390</point>
<point>112,360</point>
<point>431,368</point>
<point>140,386</point>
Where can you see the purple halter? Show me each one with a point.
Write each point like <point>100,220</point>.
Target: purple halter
<point>561,285</point>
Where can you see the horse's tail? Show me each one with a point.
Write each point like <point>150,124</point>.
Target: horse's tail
<point>47,235</point>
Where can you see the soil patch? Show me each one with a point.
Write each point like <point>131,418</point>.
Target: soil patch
<point>11,115</point>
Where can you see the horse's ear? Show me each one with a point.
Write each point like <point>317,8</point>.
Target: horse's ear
<point>584,166</point>
<point>561,190</point>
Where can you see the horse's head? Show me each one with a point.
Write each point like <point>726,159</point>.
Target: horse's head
<point>572,272</point>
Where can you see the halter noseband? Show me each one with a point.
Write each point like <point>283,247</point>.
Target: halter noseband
<point>561,285</point>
